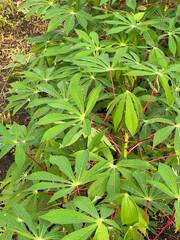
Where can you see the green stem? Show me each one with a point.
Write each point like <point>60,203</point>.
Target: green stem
<point>77,5</point>
<point>126,144</point>
<point>70,2</point>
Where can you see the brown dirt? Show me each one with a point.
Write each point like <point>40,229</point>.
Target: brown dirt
<point>14,29</point>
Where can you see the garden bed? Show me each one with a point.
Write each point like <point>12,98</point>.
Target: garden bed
<point>15,30</point>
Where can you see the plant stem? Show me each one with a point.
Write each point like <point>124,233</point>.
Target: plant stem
<point>70,2</point>
<point>77,5</point>
<point>125,144</point>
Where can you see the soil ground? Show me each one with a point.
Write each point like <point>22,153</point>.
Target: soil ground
<point>14,29</point>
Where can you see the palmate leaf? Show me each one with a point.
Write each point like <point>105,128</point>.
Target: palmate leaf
<point>129,213</point>
<point>163,188</point>
<point>81,234</point>
<point>98,188</point>
<point>86,205</point>
<point>130,116</point>
<point>20,155</point>
<point>63,165</point>
<point>67,216</point>
<point>92,99</point>
<point>11,223</point>
<point>70,134</point>
<point>61,193</point>
<point>44,185</point>
<point>134,163</point>
<point>69,24</point>
<point>86,128</point>
<point>162,134</point>
<point>169,177</point>
<point>177,140</point>
<point>54,131</point>
<point>177,214</point>
<point>81,164</point>
<point>114,184</point>
<point>23,214</point>
<point>46,176</point>
<point>4,132</point>
<point>119,112</point>
<point>131,4</point>
<point>54,117</point>
<point>77,96</point>
<point>62,104</point>
<point>101,233</point>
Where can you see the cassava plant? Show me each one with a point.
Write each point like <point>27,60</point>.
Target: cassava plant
<point>100,155</point>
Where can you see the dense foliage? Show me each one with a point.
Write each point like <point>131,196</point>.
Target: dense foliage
<point>101,152</point>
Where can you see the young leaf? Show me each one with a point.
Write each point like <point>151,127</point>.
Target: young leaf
<point>129,213</point>
<point>101,233</point>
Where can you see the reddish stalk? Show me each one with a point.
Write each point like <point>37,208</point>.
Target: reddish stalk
<point>134,146</point>
<point>162,158</point>
<point>78,190</point>
<point>51,206</point>
<point>36,162</point>
<point>169,219</point>
<point>31,153</point>
<point>165,226</point>
<point>147,205</point>
<point>163,41</point>
<point>150,96</point>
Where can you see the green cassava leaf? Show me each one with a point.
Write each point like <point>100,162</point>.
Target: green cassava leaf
<point>86,205</point>
<point>66,216</point>
<point>130,116</point>
<point>162,134</point>
<point>131,4</point>
<point>129,213</point>
<point>169,177</point>
<point>81,234</point>
<point>101,233</point>
<point>81,164</point>
<point>92,99</point>
<point>63,165</point>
